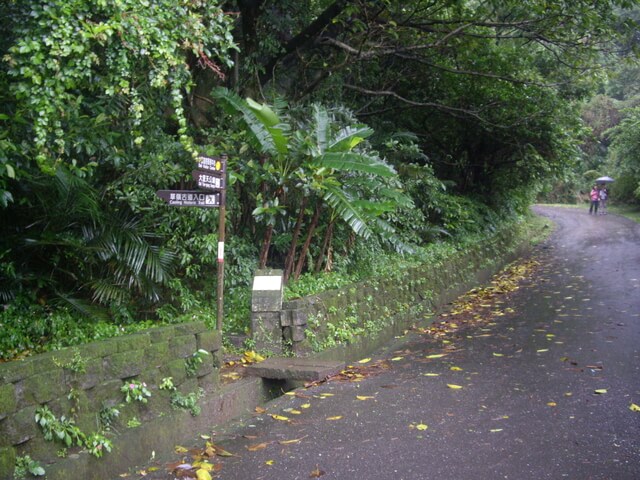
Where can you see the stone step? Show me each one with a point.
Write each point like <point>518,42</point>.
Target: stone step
<point>285,368</point>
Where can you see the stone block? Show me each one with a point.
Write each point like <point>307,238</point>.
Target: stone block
<point>210,382</point>
<point>156,354</point>
<point>266,293</point>
<point>176,370</point>
<point>205,368</point>
<point>123,365</point>
<point>209,340</point>
<point>183,346</point>
<point>266,331</point>
<point>309,369</point>
<point>190,328</point>
<point>286,318</point>
<point>7,462</point>
<point>98,349</point>
<point>92,376</point>
<point>138,341</point>
<point>106,394</point>
<point>45,362</point>
<point>12,372</point>
<point>19,428</point>
<point>41,388</point>
<point>8,401</point>
<point>161,334</point>
<point>299,317</point>
<point>298,334</point>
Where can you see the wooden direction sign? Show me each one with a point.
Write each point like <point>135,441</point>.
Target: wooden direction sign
<point>209,180</point>
<point>213,165</point>
<point>191,198</point>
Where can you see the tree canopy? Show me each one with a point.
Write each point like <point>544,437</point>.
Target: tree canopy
<point>375,123</point>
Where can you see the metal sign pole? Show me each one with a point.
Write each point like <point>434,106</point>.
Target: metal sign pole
<point>221,228</point>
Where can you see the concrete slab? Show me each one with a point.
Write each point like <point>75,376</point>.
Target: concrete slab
<point>308,369</point>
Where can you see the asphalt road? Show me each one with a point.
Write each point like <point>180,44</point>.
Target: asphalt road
<point>536,383</point>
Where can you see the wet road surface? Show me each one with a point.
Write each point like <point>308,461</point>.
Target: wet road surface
<point>534,383</point>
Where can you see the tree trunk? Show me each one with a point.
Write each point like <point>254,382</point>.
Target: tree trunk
<point>266,244</point>
<point>328,235</point>
<point>307,242</point>
<point>291,255</point>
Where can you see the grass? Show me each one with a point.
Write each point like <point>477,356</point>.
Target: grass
<point>632,212</point>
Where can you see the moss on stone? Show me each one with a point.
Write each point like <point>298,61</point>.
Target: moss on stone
<point>7,462</point>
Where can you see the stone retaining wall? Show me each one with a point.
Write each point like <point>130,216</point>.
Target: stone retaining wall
<point>388,304</point>
<point>80,382</point>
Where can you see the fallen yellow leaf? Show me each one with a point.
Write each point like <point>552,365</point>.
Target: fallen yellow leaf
<point>270,462</point>
<point>364,360</point>
<point>600,391</point>
<point>252,357</point>
<point>279,417</point>
<point>436,355</point>
<point>456,369</point>
<point>364,397</point>
<point>431,374</point>
<point>395,359</point>
<point>337,417</point>
<point>293,411</point>
<point>257,446</point>
<point>209,467</point>
<point>552,404</point>
<point>634,408</point>
<point>180,449</point>
<point>305,405</point>
<point>455,387</point>
<point>498,354</point>
<point>290,442</point>
<point>422,426</point>
<point>221,452</point>
<point>203,475</point>
<point>542,350</point>
<point>495,430</point>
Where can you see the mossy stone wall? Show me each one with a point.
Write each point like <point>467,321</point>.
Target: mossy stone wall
<point>379,308</point>
<point>79,382</point>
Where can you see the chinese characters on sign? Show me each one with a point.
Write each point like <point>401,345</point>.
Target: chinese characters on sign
<point>218,165</point>
<point>211,178</point>
<point>190,198</point>
<point>207,180</point>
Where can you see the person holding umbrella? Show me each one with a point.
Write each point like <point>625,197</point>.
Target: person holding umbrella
<point>604,195</point>
<point>595,200</point>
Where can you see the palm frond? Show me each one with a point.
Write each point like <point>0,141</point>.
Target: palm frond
<point>82,306</point>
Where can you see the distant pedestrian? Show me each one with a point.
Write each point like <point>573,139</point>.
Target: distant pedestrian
<point>595,200</point>
<point>604,196</point>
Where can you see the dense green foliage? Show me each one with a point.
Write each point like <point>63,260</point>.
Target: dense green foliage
<point>354,129</point>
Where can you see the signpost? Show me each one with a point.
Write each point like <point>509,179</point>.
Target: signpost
<point>211,178</point>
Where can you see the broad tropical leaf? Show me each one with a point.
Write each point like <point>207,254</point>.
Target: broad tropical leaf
<point>346,210</point>
<point>272,137</point>
<point>356,162</point>
<point>349,137</point>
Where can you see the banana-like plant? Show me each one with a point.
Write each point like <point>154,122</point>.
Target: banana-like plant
<point>322,163</point>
